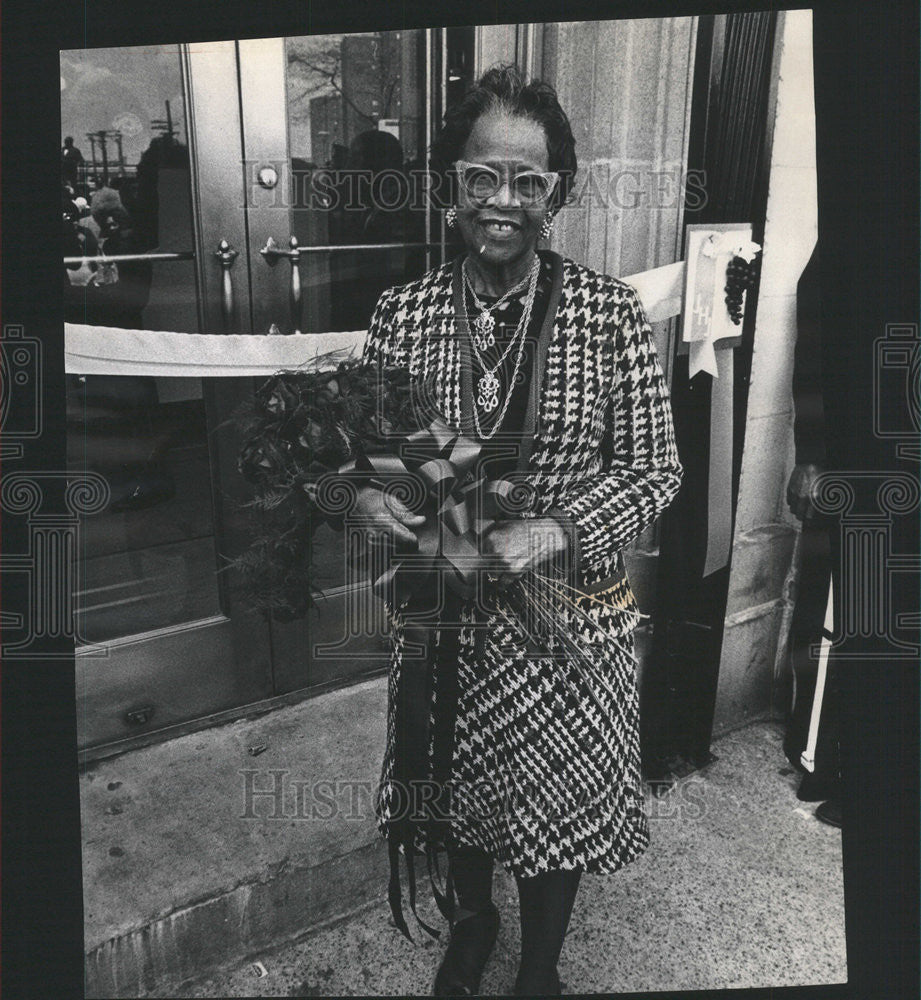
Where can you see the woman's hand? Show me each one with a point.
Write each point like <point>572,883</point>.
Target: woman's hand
<point>386,517</point>
<point>513,548</point>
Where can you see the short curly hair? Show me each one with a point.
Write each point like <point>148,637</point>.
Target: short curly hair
<point>503,88</point>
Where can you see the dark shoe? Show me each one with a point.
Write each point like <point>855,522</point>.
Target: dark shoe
<point>815,789</point>
<point>550,987</point>
<point>830,812</point>
<point>472,940</point>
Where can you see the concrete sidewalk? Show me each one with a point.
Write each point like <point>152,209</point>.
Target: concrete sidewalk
<point>742,887</point>
<point>183,870</point>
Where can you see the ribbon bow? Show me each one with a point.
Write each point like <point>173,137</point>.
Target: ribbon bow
<point>437,472</point>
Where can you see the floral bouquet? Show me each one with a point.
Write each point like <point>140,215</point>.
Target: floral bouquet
<point>304,425</point>
<point>309,430</point>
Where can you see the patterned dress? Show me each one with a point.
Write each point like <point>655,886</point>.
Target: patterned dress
<point>546,766</point>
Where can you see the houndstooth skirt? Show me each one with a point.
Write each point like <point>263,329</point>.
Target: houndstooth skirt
<point>546,771</point>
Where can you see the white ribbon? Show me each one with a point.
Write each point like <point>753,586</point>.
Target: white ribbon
<point>106,350</point>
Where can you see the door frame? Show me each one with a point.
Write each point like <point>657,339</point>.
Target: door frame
<point>316,652</point>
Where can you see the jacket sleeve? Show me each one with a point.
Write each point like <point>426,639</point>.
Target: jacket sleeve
<point>382,343</point>
<point>641,472</point>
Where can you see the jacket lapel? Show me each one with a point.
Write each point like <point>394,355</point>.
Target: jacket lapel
<point>540,361</point>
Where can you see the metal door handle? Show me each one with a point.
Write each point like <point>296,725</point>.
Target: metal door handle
<point>272,253</point>
<point>226,255</point>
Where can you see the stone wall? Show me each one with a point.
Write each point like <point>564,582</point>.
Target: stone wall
<point>765,531</point>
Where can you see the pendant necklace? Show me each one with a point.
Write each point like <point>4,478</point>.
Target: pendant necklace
<point>484,324</point>
<point>488,385</point>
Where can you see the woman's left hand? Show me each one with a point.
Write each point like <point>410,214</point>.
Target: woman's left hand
<point>513,548</point>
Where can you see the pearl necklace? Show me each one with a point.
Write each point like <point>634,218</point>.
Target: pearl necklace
<point>488,383</point>
<point>485,323</point>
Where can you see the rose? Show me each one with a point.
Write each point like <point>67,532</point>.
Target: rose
<point>263,460</point>
<point>310,439</point>
<point>328,391</point>
<point>276,397</point>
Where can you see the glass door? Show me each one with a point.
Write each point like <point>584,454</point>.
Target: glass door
<point>347,159</point>
<point>263,187</point>
<point>150,187</point>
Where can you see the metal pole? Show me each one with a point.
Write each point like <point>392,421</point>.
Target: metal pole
<point>121,154</point>
<point>105,158</point>
<point>92,138</point>
<point>428,143</point>
<point>443,110</point>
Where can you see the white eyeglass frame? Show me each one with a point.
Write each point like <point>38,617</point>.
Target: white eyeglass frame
<point>551,176</point>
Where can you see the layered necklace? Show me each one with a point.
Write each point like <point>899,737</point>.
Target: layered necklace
<point>488,385</point>
<point>485,323</point>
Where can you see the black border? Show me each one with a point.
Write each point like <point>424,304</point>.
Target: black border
<point>867,101</point>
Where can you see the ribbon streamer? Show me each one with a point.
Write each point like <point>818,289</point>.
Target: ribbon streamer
<point>460,506</point>
<point>710,334</point>
<point>719,478</point>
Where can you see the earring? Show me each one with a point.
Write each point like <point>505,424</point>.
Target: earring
<point>451,218</point>
<point>546,227</point>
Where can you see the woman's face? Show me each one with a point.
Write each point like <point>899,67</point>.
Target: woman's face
<point>506,230</point>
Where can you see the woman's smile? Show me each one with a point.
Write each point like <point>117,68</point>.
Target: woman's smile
<point>500,229</point>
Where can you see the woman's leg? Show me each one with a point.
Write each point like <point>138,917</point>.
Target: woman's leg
<point>475,925</point>
<point>471,872</point>
<point>545,902</point>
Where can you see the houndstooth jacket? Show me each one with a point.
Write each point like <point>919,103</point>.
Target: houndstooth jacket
<point>603,453</point>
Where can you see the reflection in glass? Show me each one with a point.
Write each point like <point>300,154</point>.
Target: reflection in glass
<point>356,126</point>
<point>148,560</point>
<point>129,192</point>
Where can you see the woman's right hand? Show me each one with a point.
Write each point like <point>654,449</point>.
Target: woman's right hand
<point>386,517</point>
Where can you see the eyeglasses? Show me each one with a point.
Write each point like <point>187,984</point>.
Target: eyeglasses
<point>481,183</point>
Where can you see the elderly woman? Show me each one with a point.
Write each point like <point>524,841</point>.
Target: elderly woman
<point>550,365</point>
